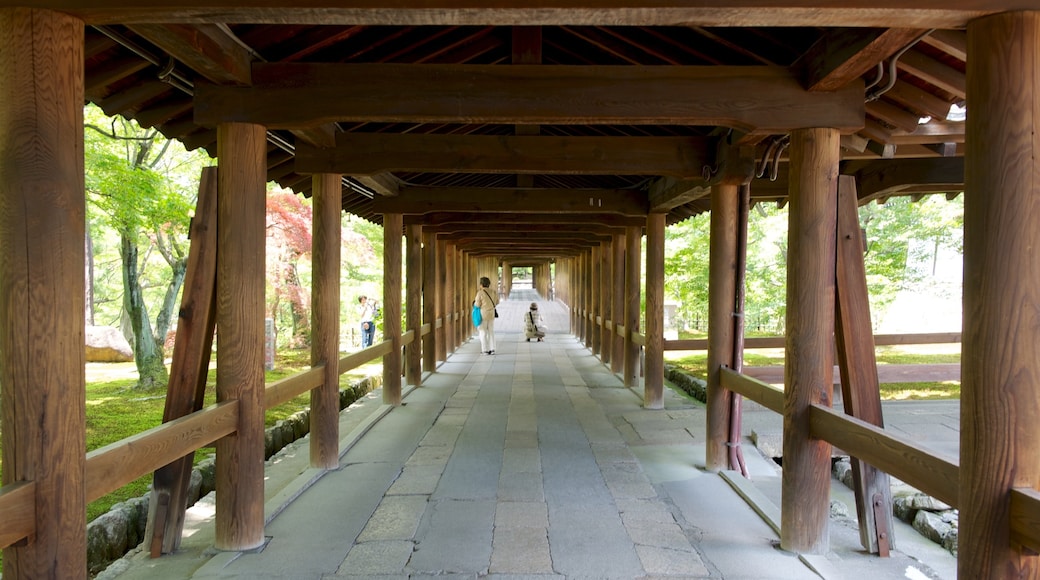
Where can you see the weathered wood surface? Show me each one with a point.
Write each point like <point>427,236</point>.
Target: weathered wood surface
<point>42,320</point>
<point>1025,518</point>
<point>653,374</point>
<point>617,340</point>
<point>814,156</point>
<point>922,468</point>
<point>722,265</point>
<point>853,14</point>
<point>117,464</point>
<point>433,289</point>
<point>419,200</point>
<point>17,512</point>
<point>753,389</point>
<point>633,269</point>
<point>861,392</point>
<point>189,369</point>
<point>414,300</point>
<point>242,183</point>
<point>780,341</point>
<point>898,373</point>
<point>325,310</point>
<point>392,248</point>
<point>760,100</point>
<point>373,153</point>
<point>1000,406</point>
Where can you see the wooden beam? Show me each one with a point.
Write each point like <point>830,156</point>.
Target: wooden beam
<point>938,73</point>
<point>722,264</point>
<point>668,193</point>
<point>762,100</point>
<point>384,184</point>
<point>392,249</point>
<point>414,296</point>
<point>374,153</point>
<point>653,375</point>
<point>881,178</point>
<point>633,275</point>
<point>325,308</point>
<point>207,49</point>
<point>447,221</point>
<point>853,13</point>
<point>419,200</point>
<point>841,56</point>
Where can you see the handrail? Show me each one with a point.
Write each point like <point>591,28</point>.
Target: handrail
<point>781,342</point>
<point>117,464</point>
<point>1025,517</point>
<point>764,394</point>
<point>17,511</point>
<point>287,389</point>
<point>912,463</point>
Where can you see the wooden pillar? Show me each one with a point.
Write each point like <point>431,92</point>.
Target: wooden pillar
<point>325,310</point>
<point>653,375</point>
<point>586,292</point>
<point>606,286</point>
<point>241,211</point>
<point>722,266</point>
<point>1000,370</point>
<point>450,301</point>
<point>42,223</point>
<point>809,368</point>
<point>433,290</point>
<point>595,296</point>
<point>413,313</point>
<point>392,228</point>
<point>507,278</point>
<point>617,359</point>
<point>633,266</point>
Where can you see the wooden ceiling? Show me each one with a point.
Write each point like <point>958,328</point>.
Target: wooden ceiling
<point>556,117</point>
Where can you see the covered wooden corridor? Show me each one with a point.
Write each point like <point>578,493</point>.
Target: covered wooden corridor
<point>557,137</point>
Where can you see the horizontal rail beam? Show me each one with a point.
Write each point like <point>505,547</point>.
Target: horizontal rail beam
<point>917,466</point>
<point>1025,518</point>
<point>781,342</point>
<point>290,387</point>
<point>17,512</point>
<point>764,394</point>
<point>117,464</point>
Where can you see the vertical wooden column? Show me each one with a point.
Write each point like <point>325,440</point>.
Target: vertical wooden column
<point>606,286</point>
<point>432,296</point>
<point>325,310</point>
<point>579,297</point>
<point>42,319</point>
<point>809,367</point>
<point>595,297</point>
<point>507,279</point>
<point>633,267</point>
<point>450,302</point>
<point>617,359</point>
<point>241,211</point>
<point>392,228</point>
<point>653,375</point>
<point>722,264</point>
<point>413,313</point>
<point>587,282</point>
<point>1000,370</point>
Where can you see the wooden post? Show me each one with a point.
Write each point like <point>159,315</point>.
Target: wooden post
<point>507,278</point>
<point>617,359</point>
<point>413,314</point>
<point>42,319</point>
<point>861,393</point>
<point>433,295</point>
<point>586,292</point>
<point>722,270</point>
<point>633,265</point>
<point>653,375</point>
<point>450,301</point>
<point>595,300</point>
<point>392,228</point>
<point>606,286</point>
<point>809,369</point>
<point>241,211</point>
<point>1000,370</point>
<point>325,308</point>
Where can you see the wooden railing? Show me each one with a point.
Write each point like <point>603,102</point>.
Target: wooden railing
<point>919,467</point>
<point>117,464</point>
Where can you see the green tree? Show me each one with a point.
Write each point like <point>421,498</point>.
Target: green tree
<point>136,189</point>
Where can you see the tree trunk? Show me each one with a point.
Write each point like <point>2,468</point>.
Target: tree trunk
<point>147,354</point>
<point>162,321</point>
<point>301,337</point>
<point>88,298</point>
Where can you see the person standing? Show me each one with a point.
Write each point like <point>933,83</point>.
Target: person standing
<point>486,330</point>
<point>368,325</point>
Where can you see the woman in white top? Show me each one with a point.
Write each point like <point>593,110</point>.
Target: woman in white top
<point>486,330</point>
<point>531,322</point>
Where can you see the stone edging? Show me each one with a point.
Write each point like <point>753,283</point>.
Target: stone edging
<point>113,534</point>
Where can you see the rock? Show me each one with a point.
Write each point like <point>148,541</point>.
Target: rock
<point>839,509</point>
<point>107,344</point>
<point>931,526</point>
<point>902,510</point>
<point>920,501</point>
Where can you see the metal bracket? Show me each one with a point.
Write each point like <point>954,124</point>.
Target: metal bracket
<point>880,517</point>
